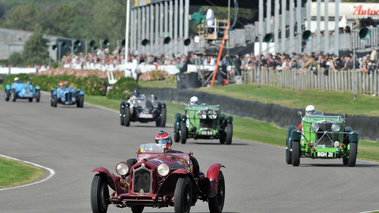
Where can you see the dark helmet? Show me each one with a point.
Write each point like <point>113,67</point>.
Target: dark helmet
<point>163,137</point>
<point>135,92</point>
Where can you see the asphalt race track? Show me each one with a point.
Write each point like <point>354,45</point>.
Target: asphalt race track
<point>72,141</point>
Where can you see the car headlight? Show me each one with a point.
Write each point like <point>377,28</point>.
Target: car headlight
<point>315,127</point>
<point>335,127</point>
<point>212,114</point>
<point>73,99</point>
<point>62,99</point>
<point>122,168</point>
<point>163,169</point>
<point>202,114</point>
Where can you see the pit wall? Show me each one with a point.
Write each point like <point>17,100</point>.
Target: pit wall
<point>366,126</point>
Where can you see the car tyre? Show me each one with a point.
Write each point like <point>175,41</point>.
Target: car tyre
<point>137,209</point>
<point>183,132</point>
<point>7,94</point>
<point>127,116</point>
<point>122,113</point>
<point>163,117</point>
<point>183,195</point>
<point>81,101</point>
<point>353,154</point>
<point>216,204</point>
<point>176,137</point>
<point>345,161</point>
<point>38,95</point>
<point>30,99</point>
<point>222,137</point>
<point>14,95</point>
<point>99,194</point>
<point>295,153</point>
<point>288,148</point>
<point>229,133</point>
<point>55,101</point>
<point>78,101</point>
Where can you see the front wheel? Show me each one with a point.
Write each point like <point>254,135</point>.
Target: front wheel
<point>137,209</point>
<point>38,95</point>
<point>353,154</point>
<point>163,117</point>
<point>127,116</point>
<point>99,194</point>
<point>7,95</point>
<point>229,133</point>
<point>295,153</point>
<point>176,137</point>
<point>14,95</point>
<point>183,195</point>
<point>183,132</point>
<point>216,204</point>
<point>81,101</point>
<point>122,112</point>
<point>55,101</point>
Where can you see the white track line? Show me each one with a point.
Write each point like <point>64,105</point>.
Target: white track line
<point>52,173</point>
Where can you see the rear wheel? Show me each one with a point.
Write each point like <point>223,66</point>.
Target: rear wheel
<point>78,101</point>
<point>216,204</point>
<point>345,161</point>
<point>183,195</point>
<point>353,154</point>
<point>7,94</point>
<point>30,99</point>
<point>229,133</point>
<point>127,116</point>
<point>183,132</point>
<point>99,194</point>
<point>295,153</point>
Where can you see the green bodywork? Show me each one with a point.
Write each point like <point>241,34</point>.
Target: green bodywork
<point>323,136</point>
<point>206,127</point>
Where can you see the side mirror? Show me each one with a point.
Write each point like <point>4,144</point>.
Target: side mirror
<point>300,113</point>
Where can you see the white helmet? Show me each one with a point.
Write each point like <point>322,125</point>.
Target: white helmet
<point>194,100</point>
<point>16,79</point>
<point>310,109</point>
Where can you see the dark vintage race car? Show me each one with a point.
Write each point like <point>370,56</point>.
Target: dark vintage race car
<point>322,137</point>
<point>143,109</point>
<point>202,121</point>
<point>22,91</point>
<point>67,96</point>
<point>159,177</point>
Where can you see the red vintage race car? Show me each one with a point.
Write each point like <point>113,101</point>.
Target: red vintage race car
<point>159,177</point>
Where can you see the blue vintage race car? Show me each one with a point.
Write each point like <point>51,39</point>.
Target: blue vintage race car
<point>22,91</point>
<point>67,96</point>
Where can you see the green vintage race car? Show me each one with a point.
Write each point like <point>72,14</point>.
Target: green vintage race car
<point>201,121</point>
<point>322,137</point>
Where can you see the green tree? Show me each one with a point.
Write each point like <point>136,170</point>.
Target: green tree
<point>23,17</point>
<point>59,21</point>
<point>35,49</point>
<point>109,20</point>
<point>15,59</point>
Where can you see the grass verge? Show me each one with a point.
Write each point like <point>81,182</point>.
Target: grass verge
<point>14,173</point>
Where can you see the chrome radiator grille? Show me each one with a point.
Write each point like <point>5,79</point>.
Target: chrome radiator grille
<point>141,181</point>
<point>68,96</point>
<point>325,139</point>
<point>206,124</point>
<point>27,90</point>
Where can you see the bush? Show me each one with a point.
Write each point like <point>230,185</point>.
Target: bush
<point>122,89</point>
<point>157,75</point>
<point>23,78</point>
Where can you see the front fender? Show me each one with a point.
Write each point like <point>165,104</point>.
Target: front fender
<point>212,175</point>
<point>169,183</point>
<point>354,137</point>
<point>229,119</point>
<point>295,136</point>
<point>7,87</point>
<point>178,118</point>
<point>112,180</point>
<point>38,88</point>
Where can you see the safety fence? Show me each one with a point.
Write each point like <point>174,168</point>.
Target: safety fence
<point>296,79</point>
